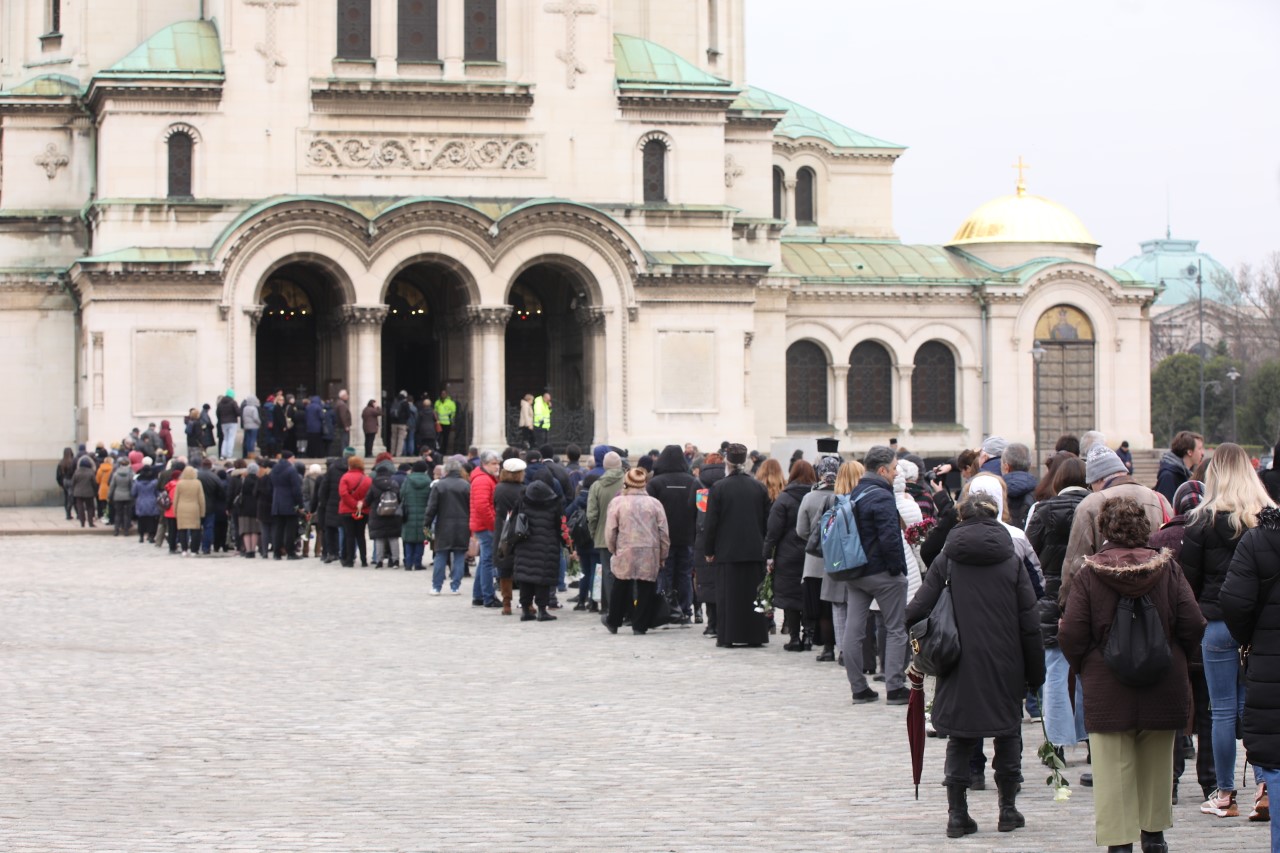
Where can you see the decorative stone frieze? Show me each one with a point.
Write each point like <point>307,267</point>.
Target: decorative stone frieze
<point>328,153</point>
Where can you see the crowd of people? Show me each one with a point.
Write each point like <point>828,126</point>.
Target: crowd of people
<point>1039,562</point>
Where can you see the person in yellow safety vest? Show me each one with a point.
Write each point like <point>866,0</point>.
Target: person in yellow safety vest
<point>541,418</point>
<point>446,410</point>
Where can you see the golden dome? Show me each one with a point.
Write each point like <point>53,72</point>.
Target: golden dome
<point>1022,218</point>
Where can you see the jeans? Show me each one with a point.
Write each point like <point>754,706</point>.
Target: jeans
<point>250,441</point>
<point>564,571</point>
<point>587,558</point>
<point>891,593</point>
<point>413,552</point>
<point>1063,724</point>
<point>678,570</point>
<point>1226,698</point>
<point>408,441</point>
<point>437,569</point>
<point>482,583</point>
<point>228,440</point>
<point>1272,778</point>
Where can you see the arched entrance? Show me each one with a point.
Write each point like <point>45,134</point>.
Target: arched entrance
<point>425,347</point>
<point>1064,374</point>
<point>546,350</point>
<point>300,348</point>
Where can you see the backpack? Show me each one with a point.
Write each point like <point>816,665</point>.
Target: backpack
<point>162,498</point>
<point>388,504</point>
<point>813,545</point>
<point>843,556</point>
<point>1137,649</point>
<point>579,529</point>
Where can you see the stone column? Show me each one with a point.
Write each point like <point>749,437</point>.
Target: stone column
<point>452,24</point>
<point>840,399</point>
<point>592,322</point>
<point>789,201</point>
<point>248,372</point>
<point>489,367</point>
<point>385,40</point>
<point>364,357</point>
<point>904,396</point>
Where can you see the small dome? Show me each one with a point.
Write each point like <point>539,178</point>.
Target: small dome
<point>1022,218</point>
<point>1176,264</point>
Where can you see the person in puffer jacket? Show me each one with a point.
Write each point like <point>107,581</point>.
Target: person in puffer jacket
<point>537,557</point>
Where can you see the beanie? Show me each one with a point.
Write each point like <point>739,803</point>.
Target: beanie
<point>1102,463</point>
<point>612,461</point>
<point>1188,496</point>
<point>514,465</point>
<point>736,454</point>
<point>636,478</point>
<point>994,446</point>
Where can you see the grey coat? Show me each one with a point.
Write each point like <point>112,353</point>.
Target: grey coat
<point>449,512</point>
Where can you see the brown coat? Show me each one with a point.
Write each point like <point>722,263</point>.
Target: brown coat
<point>188,501</point>
<point>1086,625</point>
<point>635,532</point>
<point>1086,538</point>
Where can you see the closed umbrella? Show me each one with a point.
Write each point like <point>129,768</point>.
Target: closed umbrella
<point>915,725</point>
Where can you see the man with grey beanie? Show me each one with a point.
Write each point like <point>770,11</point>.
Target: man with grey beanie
<point>1108,477</point>
<point>992,449</point>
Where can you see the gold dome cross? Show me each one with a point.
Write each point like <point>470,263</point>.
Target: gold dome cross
<point>1021,167</point>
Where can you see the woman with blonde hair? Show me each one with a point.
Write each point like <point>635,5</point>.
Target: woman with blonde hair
<point>834,592</point>
<point>771,475</point>
<point>1233,498</point>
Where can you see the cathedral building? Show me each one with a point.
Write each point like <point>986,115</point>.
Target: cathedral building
<point>497,197</point>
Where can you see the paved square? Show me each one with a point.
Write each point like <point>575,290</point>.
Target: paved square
<point>155,703</point>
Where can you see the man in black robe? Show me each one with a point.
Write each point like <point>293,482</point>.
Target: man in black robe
<point>737,511</point>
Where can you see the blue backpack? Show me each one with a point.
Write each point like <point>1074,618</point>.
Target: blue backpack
<point>843,557</point>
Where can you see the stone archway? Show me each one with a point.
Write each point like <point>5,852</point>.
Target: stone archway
<point>300,345</point>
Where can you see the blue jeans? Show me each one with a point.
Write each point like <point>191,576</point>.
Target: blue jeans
<point>587,583</point>
<point>413,552</point>
<point>1226,698</point>
<point>482,583</point>
<point>678,569</point>
<point>250,441</point>
<point>206,534</point>
<point>228,448</point>
<point>1063,724</point>
<point>437,569</point>
<point>1272,778</point>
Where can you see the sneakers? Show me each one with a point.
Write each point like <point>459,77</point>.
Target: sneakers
<point>901,696</point>
<point>1261,805</point>
<point>864,696</point>
<point>1221,804</point>
<point>435,592</point>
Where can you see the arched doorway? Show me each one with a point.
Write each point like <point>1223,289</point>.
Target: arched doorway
<point>300,349</point>
<point>546,350</point>
<point>1064,374</point>
<point>424,342</point>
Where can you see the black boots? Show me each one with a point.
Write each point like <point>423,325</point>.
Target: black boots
<point>1153,842</point>
<point>959,824</point>
<point>1010,817</point>
<point>543,615</point>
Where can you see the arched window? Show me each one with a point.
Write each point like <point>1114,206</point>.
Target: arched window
<point>778,184</point>
<point>481,31</point>
<point>806,204</point>
<point>806,386</point>
<point>418,23</point>
<point>870,384</point>
<point>180,156</point>
<point>933,385</point>
<point>355,28</point>
<point>655,171</point>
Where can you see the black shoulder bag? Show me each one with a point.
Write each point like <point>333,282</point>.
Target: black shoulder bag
<point>935,639</point>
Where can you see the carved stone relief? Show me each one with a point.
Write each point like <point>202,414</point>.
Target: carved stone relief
<point>328,153</point>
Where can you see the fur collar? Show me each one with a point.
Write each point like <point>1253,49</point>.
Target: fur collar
<point>1269,518</point>
<point>1116,562</point>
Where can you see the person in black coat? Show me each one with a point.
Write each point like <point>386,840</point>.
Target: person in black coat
<point>507,496</point>
<point>537,559</point>
<point>384,530</point>
<point>737,510</point>
<point>326,506</point>
<point>784,549</point>
<point>1251,608</point>
<point>265,500</point>
<point>1002,656</point>
<point>704,573</point>
<point>286,498</point>
<point>673,486</point>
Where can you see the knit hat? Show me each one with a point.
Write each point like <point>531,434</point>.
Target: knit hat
<point>1188,497</point>
<point>515,465</point>
<point>736,454</point>
<point>908,469</point>
<point>533,456</point>
<point>636,478</point>
<point>612,461</point>
<point>314,469</point>
<point>348,452</point>
<point>1102,463</point>
<point>994,446</point>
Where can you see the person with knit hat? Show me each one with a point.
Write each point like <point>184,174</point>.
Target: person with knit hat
<point>603,491</point>
<point>737,513</point>
<point>637,535</point>
<point>992,452</point>
<point>228,414</point>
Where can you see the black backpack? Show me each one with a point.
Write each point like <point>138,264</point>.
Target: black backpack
<point>1137,649</point>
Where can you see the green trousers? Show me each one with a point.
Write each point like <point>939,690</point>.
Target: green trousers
<point>1132,784</point>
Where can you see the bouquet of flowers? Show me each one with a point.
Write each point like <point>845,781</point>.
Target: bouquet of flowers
<point>764,595</point>
<point>917,532</point>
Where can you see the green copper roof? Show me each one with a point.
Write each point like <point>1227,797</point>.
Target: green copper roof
<point>1176,263</point>
<point>184,48</point>
<point>639,61</point>
<point>800,121</point>
<point>700,259</point>
<point>876,262</point>
<point>47,85</point>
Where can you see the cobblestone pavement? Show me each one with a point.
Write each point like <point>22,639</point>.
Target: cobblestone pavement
<point>155,703</point>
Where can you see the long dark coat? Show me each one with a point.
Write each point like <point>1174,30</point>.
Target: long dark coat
<point>1092,596</point>
<point>786,548</point>
<point>704,573</point>
<point>414,494</point>
<point>381,526</point>
<point>1257,622</point>
<point>672,485</point>
<point>449,510</point>
<point>737,511</point>
<point>1048,532</point>
<point>1208,546</point>
<point>327,497</point>
<point>1001,653</point>
<point>506,497</point>
<point>538,557</point>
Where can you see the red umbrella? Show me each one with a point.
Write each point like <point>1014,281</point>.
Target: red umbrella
<point>915,725</point>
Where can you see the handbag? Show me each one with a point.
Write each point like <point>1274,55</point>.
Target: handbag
<point>935,639</point>
<point>1264,596</point>
<point>473,547</point>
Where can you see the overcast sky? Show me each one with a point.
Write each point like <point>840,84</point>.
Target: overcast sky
<point>1112,102</point>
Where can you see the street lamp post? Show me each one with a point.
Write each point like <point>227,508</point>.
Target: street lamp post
<point>1200,351</point>
<point>1037,355</point>
<point>1233,375</point>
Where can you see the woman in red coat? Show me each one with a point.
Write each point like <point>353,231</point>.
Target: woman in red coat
<point>352,513</point>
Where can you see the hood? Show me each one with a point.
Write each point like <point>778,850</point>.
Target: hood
<point>1269,518</point>
<point>709,475</point>
<point>598,452</point>
<point>1020,483</point>
<point>979,542</point>
<point>164,425</point>
<point>1130,571</point>
<point>384,468</point>
<point>988,486</point>
<point>799,490</point>
<point>608,477</point>
<point>540,494</point>
<point>85,462</point>
<point>251,401</point>
<point>900,481</point>
<point>189,473</point>
<point>671,461</point>
<point>1169,460</point>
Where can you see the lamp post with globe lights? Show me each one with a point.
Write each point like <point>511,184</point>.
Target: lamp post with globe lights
<point>1233,375</point>
<point>1037,355</point>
